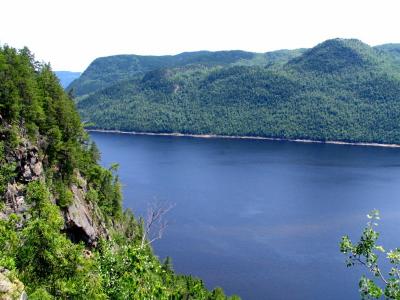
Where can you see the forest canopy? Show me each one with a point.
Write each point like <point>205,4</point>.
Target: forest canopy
<point>341,90</point>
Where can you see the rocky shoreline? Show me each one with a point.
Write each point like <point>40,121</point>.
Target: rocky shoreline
<point>246,137</point>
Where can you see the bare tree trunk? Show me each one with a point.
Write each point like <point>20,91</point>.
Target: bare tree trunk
<point>154,225</point>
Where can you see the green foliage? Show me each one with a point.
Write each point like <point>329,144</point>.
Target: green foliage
<point>368,289</point>
<point>46,258</point>
<point>105,71</point>
<point>340,90</point>
<point>366,253</point>
<point>393,49</point>
<point>40,294</point>
<point>131,272</point>
<point>34,108</point>
<point>105,189</point>
<point>8,242</point>
<point>65,196</point>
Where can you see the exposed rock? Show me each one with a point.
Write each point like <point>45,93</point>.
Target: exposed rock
<point>87,253</point>
<point>14,202</point>
<point>11,288</point>
<point>81,221</point>
<point>29,165</point>
<point>37,169</point>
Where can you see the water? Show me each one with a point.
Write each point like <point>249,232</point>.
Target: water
<point>262,219</point>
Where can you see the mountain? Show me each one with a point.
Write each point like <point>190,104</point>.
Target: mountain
<point>338,55</point>
<point>392,49</point>
<point>66,77</point>
<point>105,71</point>
<point>63,233</point>
<point>340,90</point>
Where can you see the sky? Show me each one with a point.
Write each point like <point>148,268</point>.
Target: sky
<point>71,34</point>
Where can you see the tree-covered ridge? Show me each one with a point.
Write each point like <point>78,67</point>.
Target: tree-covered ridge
<point>393,49</point>
<point>342,90</point>
<point>105,71</point>
<point>338,55</point>
<point>63,232</point>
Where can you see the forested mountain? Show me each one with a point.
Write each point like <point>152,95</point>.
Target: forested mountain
<point>393,49</point>
<point>341,90</point>
<point>63,233</point>
<point>66,77</point>
<point>105,71</point>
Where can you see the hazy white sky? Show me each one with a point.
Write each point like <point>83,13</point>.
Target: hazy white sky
<point>70,34</point>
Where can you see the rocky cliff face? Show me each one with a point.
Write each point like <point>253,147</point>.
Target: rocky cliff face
<point>82,218</point>
<point>29,167</point>
<point>10,287</point>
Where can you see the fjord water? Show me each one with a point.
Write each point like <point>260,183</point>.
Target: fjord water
<point>262,219</point>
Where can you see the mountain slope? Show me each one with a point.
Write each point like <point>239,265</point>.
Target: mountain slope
<point>105,71</point>
<point>392,49</point>
<point>336,55</point>
<point>340,90</point>
<point>63,232</point>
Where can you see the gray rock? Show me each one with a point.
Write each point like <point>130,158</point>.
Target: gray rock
<point>37,169</point>
<point>81,220</point>
<point>15,204</point>
<point>78,219</point>
<point>10,287</point>
<point>15,199</point>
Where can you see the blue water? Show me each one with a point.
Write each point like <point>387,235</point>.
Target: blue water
<point>261,219</point>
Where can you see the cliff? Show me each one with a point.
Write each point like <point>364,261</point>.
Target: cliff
<point>63,232</point>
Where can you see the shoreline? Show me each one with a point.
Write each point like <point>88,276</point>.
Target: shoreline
<point>214,136</point>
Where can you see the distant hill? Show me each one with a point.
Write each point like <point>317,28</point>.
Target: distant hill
<point>105,71</point>
<point>338,55</point>
<point>340,90</point>
<point>66,77</point>
<point>392,49</point>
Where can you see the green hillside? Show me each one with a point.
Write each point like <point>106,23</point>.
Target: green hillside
<point>392,49</point>
<point>63,233</point>
<point>105,71</point>
<point>341,90</point>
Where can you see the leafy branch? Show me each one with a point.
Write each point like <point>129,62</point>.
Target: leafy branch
<point>365,253</point>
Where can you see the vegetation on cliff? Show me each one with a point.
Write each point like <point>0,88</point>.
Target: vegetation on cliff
<point>63,232</point>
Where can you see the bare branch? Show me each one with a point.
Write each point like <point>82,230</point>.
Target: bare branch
<point>154,225</point>
<point>373,269</point>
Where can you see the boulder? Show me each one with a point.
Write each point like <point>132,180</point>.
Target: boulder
<point>29,165</point>
<point>10,287</point>
<point>15,202</point>
<point>82,222</point>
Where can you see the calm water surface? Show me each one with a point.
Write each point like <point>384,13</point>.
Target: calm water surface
<point>261,219</point>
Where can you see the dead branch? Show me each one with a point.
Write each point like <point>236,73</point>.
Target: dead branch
<point>154,225</point>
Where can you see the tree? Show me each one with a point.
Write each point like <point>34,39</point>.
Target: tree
<point>366,253</point>
<point>47,259</point>
<point>36,112</point>
<point>154,226</point>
